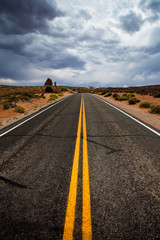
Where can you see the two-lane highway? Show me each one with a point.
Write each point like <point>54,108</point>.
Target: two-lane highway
<point>80,170</point>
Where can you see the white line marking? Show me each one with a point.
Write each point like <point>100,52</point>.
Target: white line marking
<point>144,125</point>
<point>1,135</point>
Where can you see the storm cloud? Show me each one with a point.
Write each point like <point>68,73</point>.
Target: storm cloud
<point>20,17</point>
<point>131,22</point>
<point>80,42</point>
<point>153,5</point>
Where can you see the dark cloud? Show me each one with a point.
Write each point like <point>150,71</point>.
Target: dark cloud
<point>17,62</point>
<point>15,43</point>
<point>13,66</point>
<point>154,49</point>
<point>63,61</point>
<point>152,64</point>
<point>20,17</point>
<point>131,22</point>
<point>58,60</point>
<point>154,5</point>
<point>31,44</point>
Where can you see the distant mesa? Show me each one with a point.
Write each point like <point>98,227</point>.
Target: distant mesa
<point>48,82</point>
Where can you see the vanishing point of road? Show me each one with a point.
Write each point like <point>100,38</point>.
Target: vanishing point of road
<point>79,169</point>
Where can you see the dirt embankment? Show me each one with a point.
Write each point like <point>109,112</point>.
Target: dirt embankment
<point>9,116</point>
<point>140,113</point>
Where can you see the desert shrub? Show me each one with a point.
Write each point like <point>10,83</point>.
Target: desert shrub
<point>157,95</point>
<point>27,96</point>
<point>48,89</point>
<point>107,94</point>
<point>19,109</point>
<point>155,109</point>
<point>133,101</point>
<point>145,105</point>
<point>12,99</point>
<point>115,95</point>
<point>5,95</point>
<point>53,97</point>
<point>131,95</point>
<point>7,105</point>
<point>118,98</point>
<point>63,89</point>
<point>141,91</point>
<point>60,94</point>
<point>122,98</point>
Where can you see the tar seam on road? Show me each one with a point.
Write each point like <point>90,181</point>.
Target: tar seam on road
<point>86,207</point>
<point>144,125</point>
<point>28,119</point>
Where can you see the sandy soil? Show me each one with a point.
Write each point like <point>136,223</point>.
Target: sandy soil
<point>141,113</point>
<point>10,116</point>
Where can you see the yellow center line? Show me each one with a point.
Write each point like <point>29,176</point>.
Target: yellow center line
<point>86,205</point>
<point>70,213</point>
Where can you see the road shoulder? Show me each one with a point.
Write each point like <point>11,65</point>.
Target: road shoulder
<point>153,120</point>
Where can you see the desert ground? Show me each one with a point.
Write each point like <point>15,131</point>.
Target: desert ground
<point>10,115</point>
<point>141,113</point>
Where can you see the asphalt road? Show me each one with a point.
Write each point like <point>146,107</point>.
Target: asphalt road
<point>124,175</point>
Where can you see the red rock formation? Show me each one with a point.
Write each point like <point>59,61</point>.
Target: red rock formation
<point>48,82</point>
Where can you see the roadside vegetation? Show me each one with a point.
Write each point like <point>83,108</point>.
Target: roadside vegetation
<point>17,102</point>
<point>10,96</point>
<point>20,109</point>
<point>60,94</point>
<point>145,105</point>
<point>10,100</point>
<point>133,100</point>
<point>108,94</point>
<point>128,94</point>
<point>155,109</point>
<point>153,90</point>
<point>15,97</point>
<point>157,95</point>
<point>53,97</point>
<point>131,96</point>
<point>126,97</point>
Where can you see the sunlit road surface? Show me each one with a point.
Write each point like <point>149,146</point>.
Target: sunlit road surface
<point>80,170</point>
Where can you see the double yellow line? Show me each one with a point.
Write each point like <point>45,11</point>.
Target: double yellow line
<point>86,206</point>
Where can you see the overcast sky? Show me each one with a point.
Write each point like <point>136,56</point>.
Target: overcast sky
<point>80,43</point>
